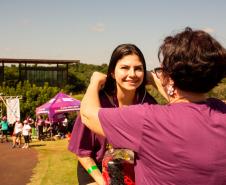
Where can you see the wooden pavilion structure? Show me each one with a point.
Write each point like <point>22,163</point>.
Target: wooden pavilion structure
<point>38,71</point>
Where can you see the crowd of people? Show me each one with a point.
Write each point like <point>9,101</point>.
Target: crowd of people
<point>46,128</point>
<point>17,131</point>
<point>25,130</point>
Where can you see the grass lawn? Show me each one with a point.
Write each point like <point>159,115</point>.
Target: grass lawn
<point>78,96</point>
<point>56,166</point>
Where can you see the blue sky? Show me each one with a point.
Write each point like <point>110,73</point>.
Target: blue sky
<point>89,30</point>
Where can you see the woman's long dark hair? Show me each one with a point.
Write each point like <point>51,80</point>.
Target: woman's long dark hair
<point>120,52</point>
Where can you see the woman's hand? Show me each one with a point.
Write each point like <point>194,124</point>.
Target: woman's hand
<point>98,78</point>
<point>153,80</point>
<point>150,78</point>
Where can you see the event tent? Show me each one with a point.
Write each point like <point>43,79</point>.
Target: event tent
<point>59,104</point>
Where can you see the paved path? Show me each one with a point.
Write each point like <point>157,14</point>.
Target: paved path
<point>16,164</point>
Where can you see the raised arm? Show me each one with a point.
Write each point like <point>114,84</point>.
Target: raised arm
<point>155,82</point>
<point>90,104</point>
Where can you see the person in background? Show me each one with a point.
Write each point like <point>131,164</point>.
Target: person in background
<point>125,85</point>
<point>47,128</point>
<point>4,127</point>
<point>39,125</point>
<point>17,132</point>
<point>25,132</point>
<point>65,121</point>
<point>64,127</point>
<point>31,122</point>
<point>183,142</point>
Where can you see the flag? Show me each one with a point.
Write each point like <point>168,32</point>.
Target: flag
<point>13,110</point>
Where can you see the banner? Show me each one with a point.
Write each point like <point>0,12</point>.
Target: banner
<point>13,109</point>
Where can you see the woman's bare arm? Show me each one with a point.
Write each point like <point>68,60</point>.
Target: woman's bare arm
<point>90,104</point>
<point>96,174</point>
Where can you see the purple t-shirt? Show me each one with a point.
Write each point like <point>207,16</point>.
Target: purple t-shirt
<point>85,143</point>
<point>181,143</point>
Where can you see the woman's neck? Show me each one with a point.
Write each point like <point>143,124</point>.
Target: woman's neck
<point>182,96</point>
<point>125,97</point>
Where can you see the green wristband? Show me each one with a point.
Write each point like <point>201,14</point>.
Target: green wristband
<point>91,169</point>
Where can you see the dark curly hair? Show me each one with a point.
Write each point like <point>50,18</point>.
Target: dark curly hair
<point>118,53</point>
<point>194,60</point>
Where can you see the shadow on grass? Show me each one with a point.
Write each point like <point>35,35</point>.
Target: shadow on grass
<point>36,145</point>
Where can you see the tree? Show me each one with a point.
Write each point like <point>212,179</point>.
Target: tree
<point>32,96</point>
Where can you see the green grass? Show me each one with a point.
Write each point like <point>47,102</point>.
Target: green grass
<point>78,96</point>
<point>56,165</point>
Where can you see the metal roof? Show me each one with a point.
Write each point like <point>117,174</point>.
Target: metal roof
<point>37,61</point>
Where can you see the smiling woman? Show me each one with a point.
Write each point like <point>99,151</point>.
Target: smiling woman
<point>128,73</point>
<point>125,85</point>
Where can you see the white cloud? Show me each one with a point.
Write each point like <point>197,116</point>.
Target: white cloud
<point>209,30</point>
<point>25,22</point>
<point>6,49</point>
<point>98,27</point>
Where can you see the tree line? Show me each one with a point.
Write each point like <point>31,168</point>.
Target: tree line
<point>78,80</point>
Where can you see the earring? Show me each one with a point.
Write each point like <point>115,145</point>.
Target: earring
<point>170,90</point>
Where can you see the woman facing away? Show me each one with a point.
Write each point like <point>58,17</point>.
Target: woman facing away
<point>183,142</point>
<point>125,85</point>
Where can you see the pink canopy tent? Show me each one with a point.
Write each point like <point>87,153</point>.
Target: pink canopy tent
<point>59,104</point>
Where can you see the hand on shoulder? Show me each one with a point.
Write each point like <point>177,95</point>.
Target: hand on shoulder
<point>98,78</point>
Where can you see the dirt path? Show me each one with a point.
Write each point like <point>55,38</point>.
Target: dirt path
<point>16,164</point>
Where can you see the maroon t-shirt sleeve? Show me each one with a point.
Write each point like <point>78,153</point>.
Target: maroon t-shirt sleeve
<point>86,143</point>
<point>81,139</point>
<point>123,127</point>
